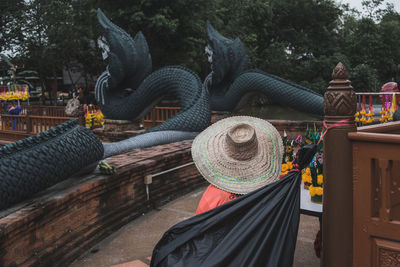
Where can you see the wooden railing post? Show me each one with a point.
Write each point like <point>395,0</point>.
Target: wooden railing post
<point>153,117</point>
<point>337,227</point>
<point>28,120</point>
<point>81,116</point>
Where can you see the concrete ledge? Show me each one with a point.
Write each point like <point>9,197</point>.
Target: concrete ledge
<point>58,224</point>
<point>5,142</point>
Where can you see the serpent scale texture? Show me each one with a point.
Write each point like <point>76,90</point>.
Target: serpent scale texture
<point>276,89</point>
<point>35,163</point>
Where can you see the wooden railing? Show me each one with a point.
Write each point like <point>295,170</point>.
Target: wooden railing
<point>53,111</point>
<point>30,124</point>
<point>31,121</point>
<point>15,123</point>
<point>158,115</point>
<point>36,119</point>
<point>376,199</point>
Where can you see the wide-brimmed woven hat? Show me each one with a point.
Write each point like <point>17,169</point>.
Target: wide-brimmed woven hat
<point>239,154</point>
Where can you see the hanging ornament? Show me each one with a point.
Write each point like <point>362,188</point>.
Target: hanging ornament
<point>387,108</point>
<point>357,115</point>
<point>14,93</point>
<point>370,114</point>
<point>392,108</point>
<point>382,112</point>
<point>363,111</point>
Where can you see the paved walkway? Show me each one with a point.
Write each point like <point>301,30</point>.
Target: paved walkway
<point>133,244</point>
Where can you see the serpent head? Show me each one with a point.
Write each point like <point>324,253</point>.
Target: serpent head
<point>129,60</point>
<point>228,57</point>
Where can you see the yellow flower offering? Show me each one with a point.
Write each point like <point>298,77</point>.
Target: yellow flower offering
<point>319,191</point>
<point>289,165</point>
<point>284,167</point>
<point>315,191</point>
<point>311,189</point>
<point>306,178</point>
<point>320,179</point>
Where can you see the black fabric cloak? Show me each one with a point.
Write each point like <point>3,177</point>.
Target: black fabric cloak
<point>256,229</point>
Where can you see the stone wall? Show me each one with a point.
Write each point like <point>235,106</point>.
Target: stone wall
<point>117,130</point>
<point>58,224</point>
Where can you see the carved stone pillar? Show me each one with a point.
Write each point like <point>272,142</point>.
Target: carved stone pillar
<point>340,103</point>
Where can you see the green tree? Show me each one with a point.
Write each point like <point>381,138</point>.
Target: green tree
<point>11,16</point>
<point>387,53</point>
<point>293,39</point>
<point>58,35</point>
<point>371,43</point>
<point>300,40</point>
<point>174,30</point>
<point>364,78</point>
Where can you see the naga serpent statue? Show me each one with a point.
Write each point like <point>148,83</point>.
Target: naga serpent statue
<point>127,90</point>
<point>232,83</point>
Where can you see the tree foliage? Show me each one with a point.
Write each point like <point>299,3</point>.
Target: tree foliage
<point>300,40</point>
<point>10,20</point>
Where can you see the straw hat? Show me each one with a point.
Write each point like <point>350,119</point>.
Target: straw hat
<point>239,154</point>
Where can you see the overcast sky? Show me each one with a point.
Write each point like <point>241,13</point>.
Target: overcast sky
<point>357,3</point>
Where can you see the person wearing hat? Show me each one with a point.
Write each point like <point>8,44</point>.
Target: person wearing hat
<point>240,156</point>
<point>236,155</point>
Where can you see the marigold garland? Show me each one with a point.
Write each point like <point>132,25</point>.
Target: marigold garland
<point>388,109</point>
<point>21,92</point>
<point>320,179</point>
<point>94,118</point>
<point>306,176</point>
<point>289,165</point>
<point>315,190</point>
<point>286,167</point>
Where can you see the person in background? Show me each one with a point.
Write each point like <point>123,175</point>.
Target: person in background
<point>236,155</point>
<point>15,110</point>
<point>80,93</point>
<point>85,98</point>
